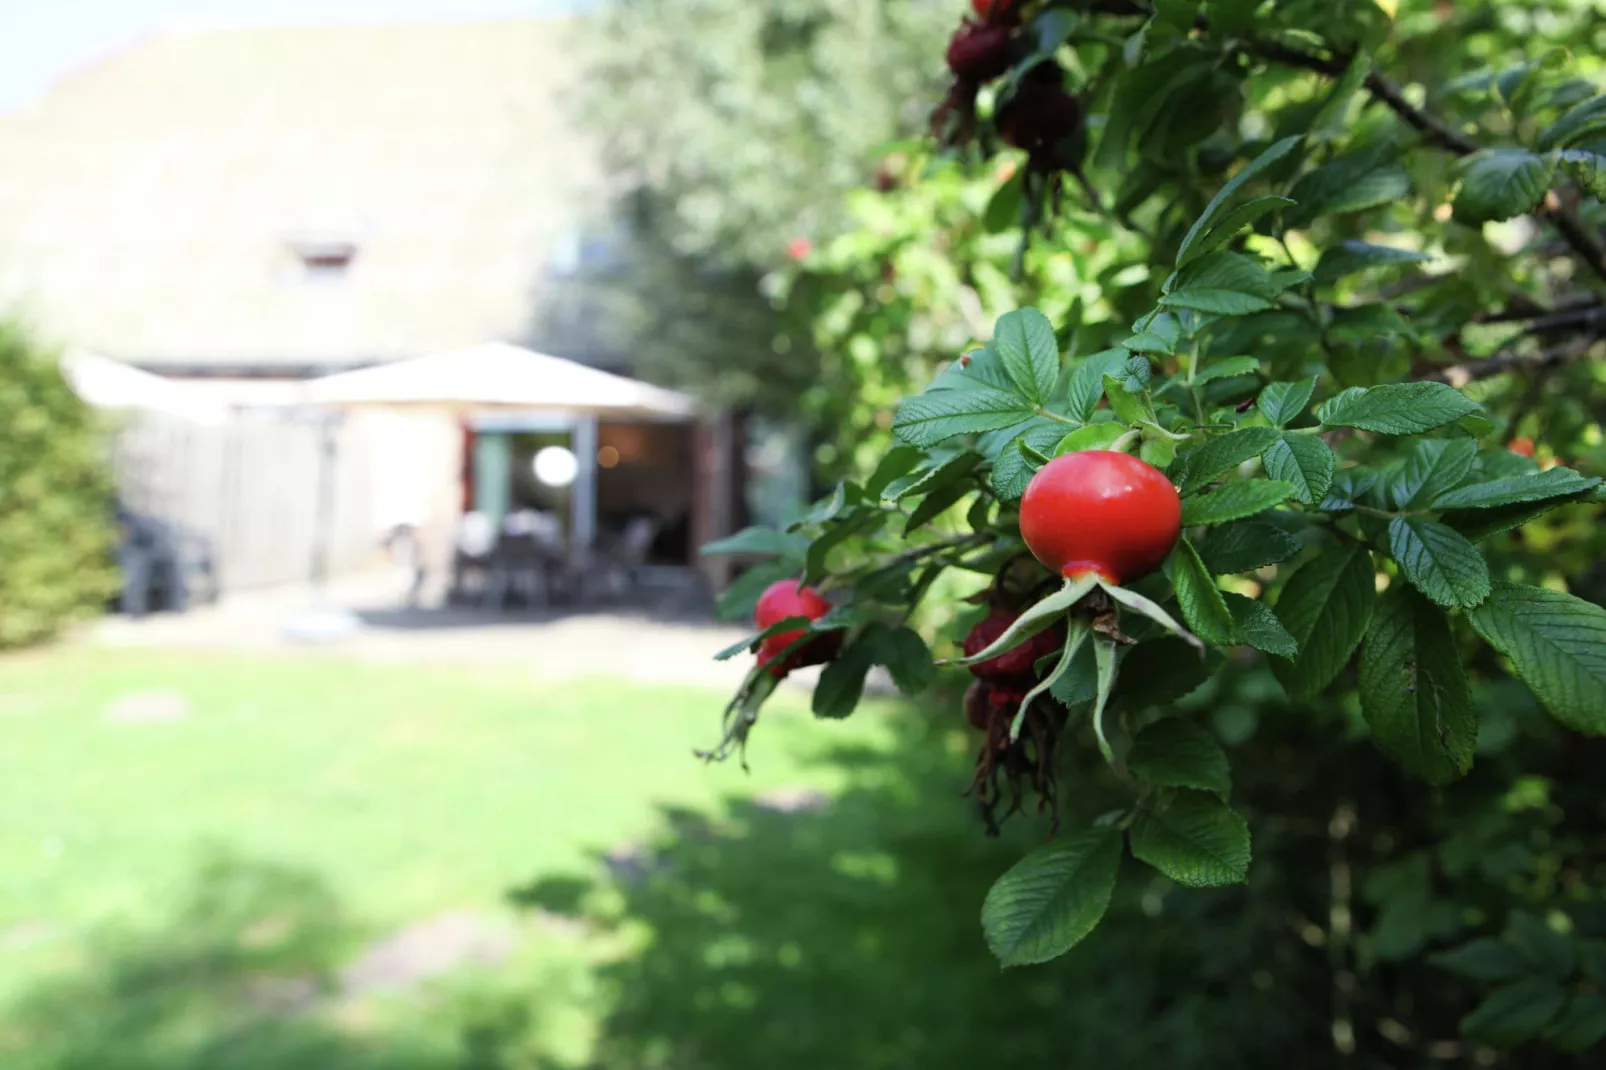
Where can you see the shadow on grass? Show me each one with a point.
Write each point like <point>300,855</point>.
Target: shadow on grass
<point>848,935</point>
<point>246,976</point>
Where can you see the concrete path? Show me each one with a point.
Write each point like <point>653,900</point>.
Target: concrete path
<point>668,638</point>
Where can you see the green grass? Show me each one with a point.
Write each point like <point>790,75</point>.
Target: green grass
<point>183,894</point>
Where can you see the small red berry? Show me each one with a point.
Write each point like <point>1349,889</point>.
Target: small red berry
<point>799,248</point>
<point>788,598</point>
<point>979,52</point>
<point>1523,446</point>
<point>1102,512</point>
<point>1014,665</point>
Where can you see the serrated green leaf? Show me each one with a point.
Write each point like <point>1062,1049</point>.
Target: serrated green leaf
<point>1215,301</point>
<point>1160,671</point>
<point>1541,946</point>
<point>935,504</point>
<point>1283,403</point>
<point>1234,501</point>
<point>1351,183</point>
<point>1351,257</point>
<point>932,418</point>
<point>1396,408</point>
<point>1199,466</point>
<point>898,462</point>
<point>1582,120</point>
<point>1581,1024</point>
<point>1193,838</point>
<point>1231,223</point>
<point>1046,903</point>
<point>1079,682</point>
<point>841,683</point>
<point>1254,624</point>
<point>759,541</point>
<point>941,473</point>
<point>1025,342</point>
<point>1304,461</point>
<point>1439,561</point>
<point>1482,960</point>
<point>903,654</point>
<point>1129,408</point>
<point>1227,368</point>
<point>1176,753</point>
<point>1432,468</point>
<point>1326,606</point>
<point>1557,645</point>
<point>1091,437</point>
<point>1203,607</point>
<point>1552,483</point>
<point>1087,383</point>
<point>1012,470</point>
<point>1588,169</point>
<point>1497,184</point>
<point>860,523</point>
<point>1414,693</point>
<point>1245,546</point>
<point>1217,209</point>
<point>1516,1012</point>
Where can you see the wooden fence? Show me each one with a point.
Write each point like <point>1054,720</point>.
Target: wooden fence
<point>250,488</point>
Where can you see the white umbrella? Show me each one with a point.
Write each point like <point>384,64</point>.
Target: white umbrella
<point>497,375</point>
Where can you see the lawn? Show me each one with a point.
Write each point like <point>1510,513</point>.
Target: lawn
<point>197,850</point>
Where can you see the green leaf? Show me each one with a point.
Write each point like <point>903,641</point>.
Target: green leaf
<point>1480,524</point>
<point>1030,355</point>
<point>1160,671</point>
<point>1199,466</point>
<point>1585,168</point>
<point>1227,368</point>
<point>1581,1025</point>
<point>1176,753</point>
<point>1283,403</point>
<point>1433,467</point>
<point>935,417</point>
<point>1515,1012</point>
<point>1326,606</point>
<point>1557,645</point>
<point>1552,483</point>
<point>1234,501</point>
<point>1087,382</point>
<point>1223,283</point>
<point>1245,546</point>
<point>1091,437</point>
<point>1193,838</point>
<point>739,599</point>
<point>1352,183</point>
<point>1582,120</point>
<point>1046,903</point>
<point>945,472</point>
<point>1497,184</point>
<point>1203,607</point>
<point>1231,223</point>
<point>1304,461</point>
<point>860,523</point>
<point>1439,561</point>
<point>1012,470</point>
<point>1414,693</point>
<point>1542,947</point>
<point>1482,960</point>
<point>1254,624</point>
<point>898,462</point>
<point>935,504</point>
<point>1350,257</point>
<point>761,542</point>
<point>904,655</point>
<point>841,683</point>
<point>1216,210</point>
<point>1397,408</point>
<point>1129,408</point>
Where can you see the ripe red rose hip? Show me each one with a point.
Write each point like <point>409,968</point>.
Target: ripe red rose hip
<point>1102,512</point>
<point>986,9</point>
<point>788,598</point>
<point>979,52</point>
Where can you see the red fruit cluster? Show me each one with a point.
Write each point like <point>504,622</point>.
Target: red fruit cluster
<point>789,598</point>
<point>1042,115</point>
<point>1012,665</point>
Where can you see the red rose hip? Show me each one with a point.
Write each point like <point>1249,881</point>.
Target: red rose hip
<point>788,598</point>
<point>1102,512</point>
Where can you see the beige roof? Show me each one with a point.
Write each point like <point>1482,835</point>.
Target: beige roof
<point>149,206</point>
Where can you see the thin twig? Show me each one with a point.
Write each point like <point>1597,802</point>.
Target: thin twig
<point>1458,375</point>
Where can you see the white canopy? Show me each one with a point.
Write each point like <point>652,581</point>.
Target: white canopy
<point>111,384</point>
<point>497,375</point>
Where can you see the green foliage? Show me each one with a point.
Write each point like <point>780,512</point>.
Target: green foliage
<point>1323,306</point>
<point>55,498</point>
